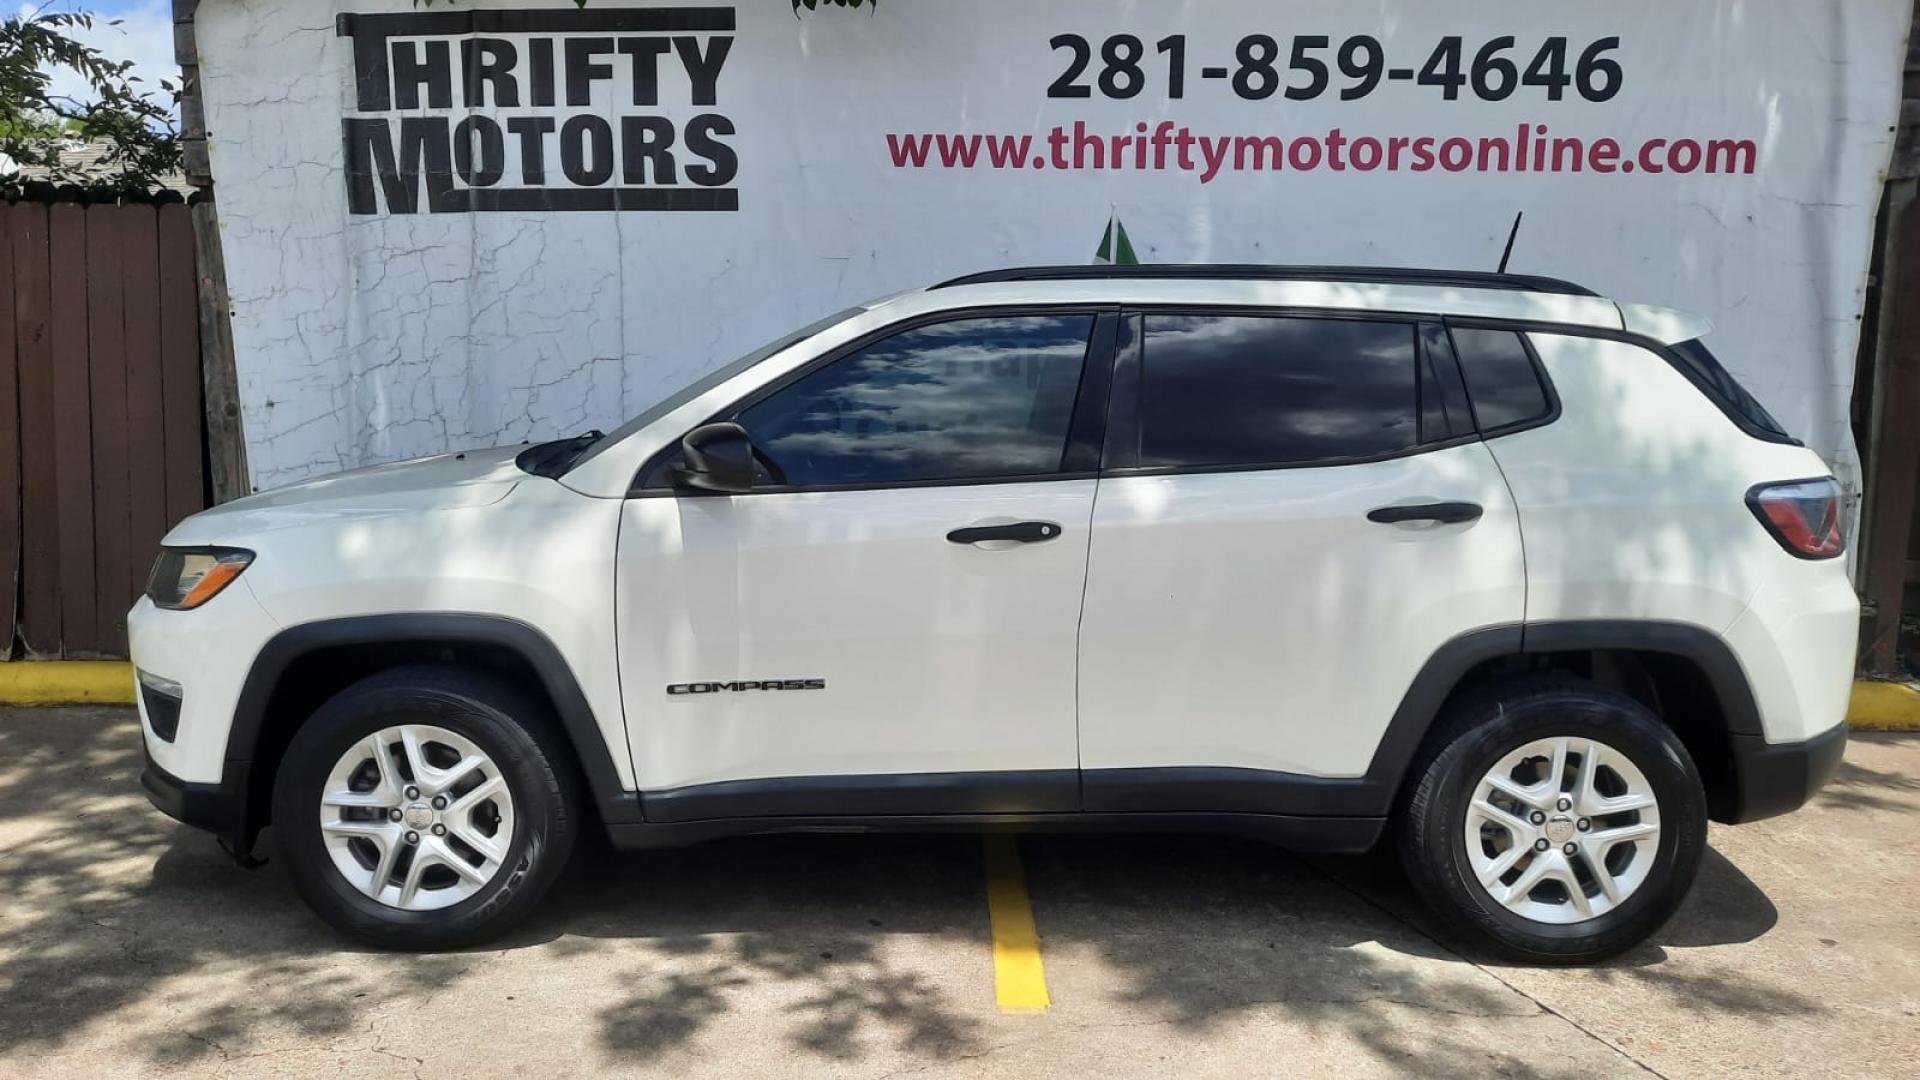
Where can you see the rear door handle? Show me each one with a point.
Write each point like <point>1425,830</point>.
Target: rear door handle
<point>1025,532</point>
<point>1447,513</point>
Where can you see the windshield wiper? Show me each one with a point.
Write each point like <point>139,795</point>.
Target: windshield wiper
<point>553,459</point>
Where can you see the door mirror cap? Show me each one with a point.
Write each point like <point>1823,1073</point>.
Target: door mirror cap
<point>717,457</point>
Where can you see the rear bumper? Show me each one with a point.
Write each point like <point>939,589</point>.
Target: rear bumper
<point>1775,778</point>
<point>219,808</point>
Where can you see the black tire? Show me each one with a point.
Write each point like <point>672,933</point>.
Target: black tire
<point>511,727</point>
<point>1476,732</point>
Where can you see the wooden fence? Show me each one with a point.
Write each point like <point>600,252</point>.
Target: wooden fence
<point>101,444</point>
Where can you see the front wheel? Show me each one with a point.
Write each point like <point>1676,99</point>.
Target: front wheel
<point>1560,822</point>
<point>422,809</point>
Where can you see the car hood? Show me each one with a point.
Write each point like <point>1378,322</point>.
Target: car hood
<point>441,482</point>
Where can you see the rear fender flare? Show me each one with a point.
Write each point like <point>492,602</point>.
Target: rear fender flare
<point>1420,706</point>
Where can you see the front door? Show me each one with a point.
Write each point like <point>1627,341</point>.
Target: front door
<point>835,641</point>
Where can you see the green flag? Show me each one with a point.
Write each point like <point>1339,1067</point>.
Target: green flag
<point>1114,247</point>
<point>1122,247</point>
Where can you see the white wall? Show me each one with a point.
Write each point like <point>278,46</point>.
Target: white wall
<point>367,337</point>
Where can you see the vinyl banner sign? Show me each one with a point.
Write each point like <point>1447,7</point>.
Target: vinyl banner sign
<point>452,226</point>
<point>497,110</point>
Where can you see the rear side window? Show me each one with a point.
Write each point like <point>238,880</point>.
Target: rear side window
<point>1502,382</point>
<point>1703,368</point>
<point>1257,390</point>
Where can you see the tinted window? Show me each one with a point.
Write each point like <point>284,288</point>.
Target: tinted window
<point>968,399</point>
<point>1230,389</point>
<point>1705,370</point>
<point>1500,376</point>
<point>709,381</point>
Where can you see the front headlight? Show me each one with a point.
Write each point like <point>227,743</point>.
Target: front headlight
<point>185,578</point>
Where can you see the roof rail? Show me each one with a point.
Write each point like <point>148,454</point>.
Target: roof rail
<point>1366,275</point>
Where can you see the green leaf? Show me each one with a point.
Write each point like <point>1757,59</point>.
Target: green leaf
<point>142,142</point>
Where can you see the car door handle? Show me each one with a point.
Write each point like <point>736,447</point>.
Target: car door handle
<point>1025,532</point>
<point>1447,513</point>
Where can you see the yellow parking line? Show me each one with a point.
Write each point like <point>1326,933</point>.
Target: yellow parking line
<point>1019,978</point>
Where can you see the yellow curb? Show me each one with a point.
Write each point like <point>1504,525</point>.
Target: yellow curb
<point>66,682</point>
<point>1884,706</point>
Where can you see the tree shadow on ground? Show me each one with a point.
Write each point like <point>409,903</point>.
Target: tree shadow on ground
<point>104,903</point>
<point>835,948</point>
<point>1856,786</point>
<point>1186,932</point>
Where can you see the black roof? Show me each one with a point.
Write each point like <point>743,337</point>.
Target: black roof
<point>1366,275</point>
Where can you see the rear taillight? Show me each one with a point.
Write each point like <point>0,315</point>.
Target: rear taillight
<point>1804,515</point>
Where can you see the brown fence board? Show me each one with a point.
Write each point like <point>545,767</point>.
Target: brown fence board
<point>72,423</point>
<point>146,427</point>
<point>107,404</point>
<point>180,364</point>
<point>9,442</point>
<point>101,428</point>
<point>39,522</point>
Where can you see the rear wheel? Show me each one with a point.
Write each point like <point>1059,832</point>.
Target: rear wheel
<point>1559,822</point>
<point>422,809</point>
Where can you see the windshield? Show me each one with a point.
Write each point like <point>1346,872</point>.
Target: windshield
<point>709,381</point>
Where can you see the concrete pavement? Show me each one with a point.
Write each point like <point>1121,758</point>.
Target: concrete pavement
<point>130,947</point>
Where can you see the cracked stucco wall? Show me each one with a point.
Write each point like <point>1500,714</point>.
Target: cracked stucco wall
<point>362,339</point>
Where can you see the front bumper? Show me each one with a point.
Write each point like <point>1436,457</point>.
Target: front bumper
<point>1775,778</point>
<point>219,808</point>
<point>206,653</point>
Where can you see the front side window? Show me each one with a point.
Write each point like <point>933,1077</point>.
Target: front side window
<point>967,399</point>
<point>1257,390</point>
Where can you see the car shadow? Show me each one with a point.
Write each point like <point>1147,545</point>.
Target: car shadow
<point>869,944</point>
<point>1725,906</point>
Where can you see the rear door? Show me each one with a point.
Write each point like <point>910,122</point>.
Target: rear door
<point>1293,516</point>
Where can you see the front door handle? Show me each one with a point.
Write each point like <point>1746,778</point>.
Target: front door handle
<point>1447,513</point>
<point>1025,532</point>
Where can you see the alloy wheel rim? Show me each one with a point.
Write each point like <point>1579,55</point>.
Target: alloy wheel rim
<point>1562,830</point>
<point>417,817</point>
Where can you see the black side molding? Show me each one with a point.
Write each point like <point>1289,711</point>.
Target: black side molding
<point>1031,791</point>
<point>1343,835</point>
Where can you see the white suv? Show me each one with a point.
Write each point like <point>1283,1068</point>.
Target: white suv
<point>1516,572</point>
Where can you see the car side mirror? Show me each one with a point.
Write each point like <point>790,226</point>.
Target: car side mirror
<point>717,457</point>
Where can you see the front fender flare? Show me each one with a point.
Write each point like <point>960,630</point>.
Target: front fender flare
<point>582,730</point>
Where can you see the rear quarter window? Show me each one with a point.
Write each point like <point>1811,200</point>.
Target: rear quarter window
<point>1503,383</point>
